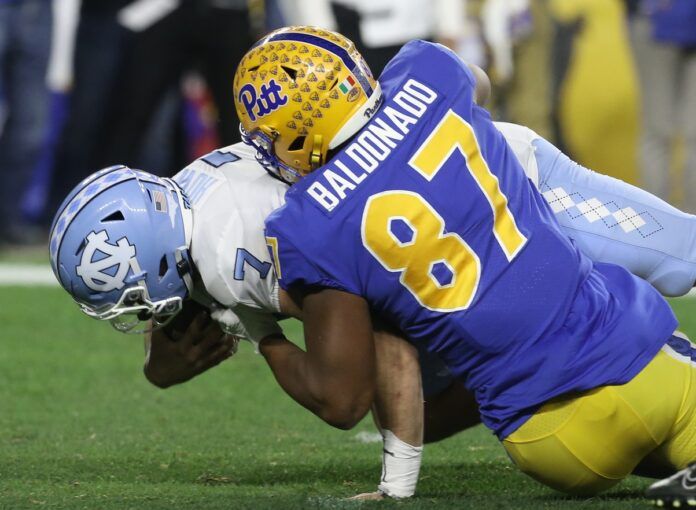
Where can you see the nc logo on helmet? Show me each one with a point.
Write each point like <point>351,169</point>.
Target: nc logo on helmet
<point>119,256</point>
<point>264,103</point>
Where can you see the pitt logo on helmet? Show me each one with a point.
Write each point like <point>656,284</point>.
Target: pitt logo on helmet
<point>319,91</point>
<point>268,100</point>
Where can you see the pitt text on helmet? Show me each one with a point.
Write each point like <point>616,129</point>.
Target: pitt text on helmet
<point>372,145</point>
<point>257,104</point>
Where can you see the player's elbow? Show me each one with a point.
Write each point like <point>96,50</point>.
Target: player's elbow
<point>483,85</point>
<point>343,418</point>
<point>346,413</point>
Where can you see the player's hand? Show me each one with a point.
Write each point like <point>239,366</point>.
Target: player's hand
<point>368,496</point>
<point>179,356</point>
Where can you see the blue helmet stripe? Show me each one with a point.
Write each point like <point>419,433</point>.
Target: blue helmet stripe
<point>82,185</point>
<point>334,48</point>
<point>72,207</point>
<point>83,194</point>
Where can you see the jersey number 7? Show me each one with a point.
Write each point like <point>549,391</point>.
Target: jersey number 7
<point>430,246</point>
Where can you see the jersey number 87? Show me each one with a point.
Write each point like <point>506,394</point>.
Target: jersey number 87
<point>430,245</point>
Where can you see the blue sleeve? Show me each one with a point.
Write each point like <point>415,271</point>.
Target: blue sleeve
<point>294,268</point>
<point>612,221</point>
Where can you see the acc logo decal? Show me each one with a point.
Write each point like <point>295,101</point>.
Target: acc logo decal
<point>260,104</point>
<point>120,255</point>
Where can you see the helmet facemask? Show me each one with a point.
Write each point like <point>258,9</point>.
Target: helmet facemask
<point>263,144</point>
<point>135,312</point>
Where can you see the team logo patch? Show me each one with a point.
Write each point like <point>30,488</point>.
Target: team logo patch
<point>353,94</point>
<point>257,104</point>
<point>160,201</point>
<point>104,266</point>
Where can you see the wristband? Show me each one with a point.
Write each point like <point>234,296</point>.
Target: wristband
<point>400,466</point>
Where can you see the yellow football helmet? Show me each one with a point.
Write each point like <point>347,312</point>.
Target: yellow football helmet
<point>300,92</point>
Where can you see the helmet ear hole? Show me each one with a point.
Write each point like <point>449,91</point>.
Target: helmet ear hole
<point>114,216</point>
<point>163,266</point>
<point>292,73</point>
<point>297,143</point>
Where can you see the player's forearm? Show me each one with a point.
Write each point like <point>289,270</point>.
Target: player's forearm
<point>287,363</point>
<point>399,396</point>
<point>293,369</point>
<point>399,412</point>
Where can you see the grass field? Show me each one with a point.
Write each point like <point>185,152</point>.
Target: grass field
<point>81,428</point>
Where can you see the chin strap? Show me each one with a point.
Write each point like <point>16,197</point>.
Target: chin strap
<point>182,256</point>
<point>316,158</point>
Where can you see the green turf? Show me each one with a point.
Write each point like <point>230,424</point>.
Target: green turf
<point>81,428</point>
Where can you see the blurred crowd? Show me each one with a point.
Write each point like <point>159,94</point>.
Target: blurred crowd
<point>147,83</point>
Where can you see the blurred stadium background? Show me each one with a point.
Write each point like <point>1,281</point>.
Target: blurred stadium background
<point>147,83</point>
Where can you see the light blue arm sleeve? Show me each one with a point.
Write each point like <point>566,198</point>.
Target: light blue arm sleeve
<point>612,221</point>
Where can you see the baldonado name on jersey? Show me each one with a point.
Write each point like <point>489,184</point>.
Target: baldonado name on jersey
<point>384,133</point>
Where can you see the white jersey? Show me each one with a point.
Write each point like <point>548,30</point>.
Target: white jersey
<point>230,195</point>
<point>520,139</point>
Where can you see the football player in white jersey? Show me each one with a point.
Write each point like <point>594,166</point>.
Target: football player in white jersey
<point>222,258</point>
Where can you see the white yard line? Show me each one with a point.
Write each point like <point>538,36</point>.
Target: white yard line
<point>27,275</point>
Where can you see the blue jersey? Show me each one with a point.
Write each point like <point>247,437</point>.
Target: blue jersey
<point>428,215</point>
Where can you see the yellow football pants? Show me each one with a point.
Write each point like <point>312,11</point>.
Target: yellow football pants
<point>586,443</point>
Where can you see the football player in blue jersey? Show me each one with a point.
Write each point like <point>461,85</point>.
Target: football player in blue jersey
<point>641,238</point>
<point>410,205</point>
<point>230,194</point>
